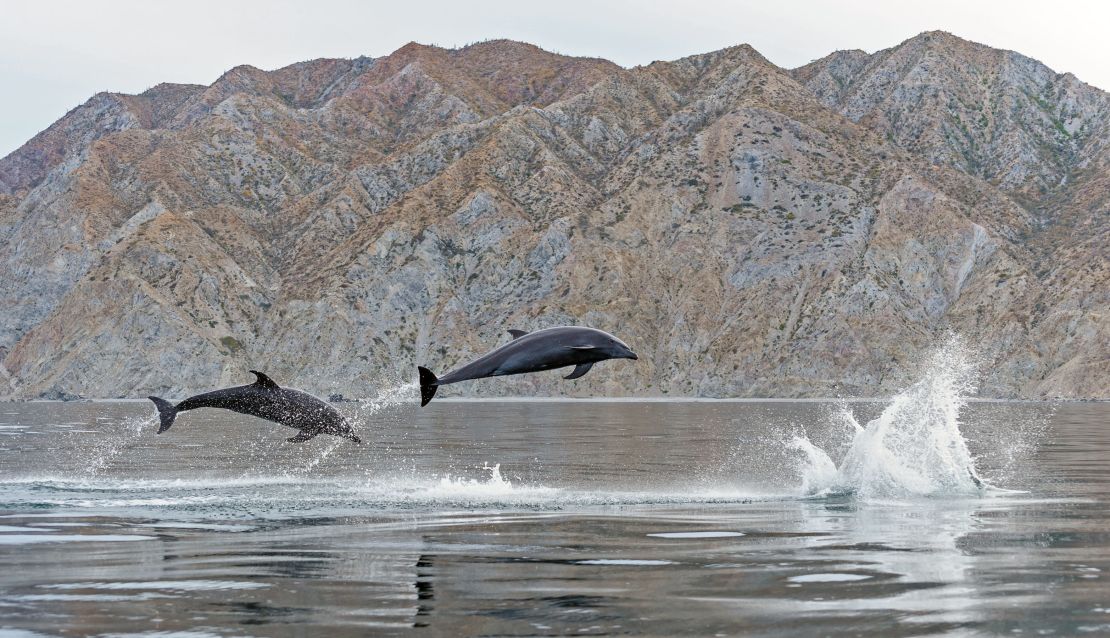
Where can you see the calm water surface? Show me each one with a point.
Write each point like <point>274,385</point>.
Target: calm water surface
<point>542,518</point>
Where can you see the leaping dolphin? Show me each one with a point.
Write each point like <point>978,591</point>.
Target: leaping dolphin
<point>266,400</point>
<point>534,352</point>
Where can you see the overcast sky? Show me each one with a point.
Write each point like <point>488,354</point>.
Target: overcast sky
<point>55,54</point>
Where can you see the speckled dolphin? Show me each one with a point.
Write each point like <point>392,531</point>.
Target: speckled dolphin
<point>266,400</point>
<point>534,352</point>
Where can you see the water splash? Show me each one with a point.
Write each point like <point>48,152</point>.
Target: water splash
<point>304,460</point>
<point>97,455</point>
<point>914,448</point>
<point>308,462</point>
<point>494,485</point>
<point>818,470</point>
<point>389,397</point>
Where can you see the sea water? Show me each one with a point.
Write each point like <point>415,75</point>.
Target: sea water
<point>922,514</point>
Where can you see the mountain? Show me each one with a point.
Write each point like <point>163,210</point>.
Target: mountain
<point>749,230</point>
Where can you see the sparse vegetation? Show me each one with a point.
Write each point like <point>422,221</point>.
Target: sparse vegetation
<point>232,344</point>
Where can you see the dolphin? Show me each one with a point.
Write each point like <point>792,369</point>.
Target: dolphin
<point>534,352</point>
<point>266,400</point>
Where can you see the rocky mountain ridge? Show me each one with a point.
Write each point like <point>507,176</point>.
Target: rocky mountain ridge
<point>749,230</point>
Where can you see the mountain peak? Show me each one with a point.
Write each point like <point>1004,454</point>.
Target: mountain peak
<point>242,70</point>
<point>502,44</point>
<point>946,42</point>
<point>993,113</point>
<point>414,48</point>
<point>163,88</point>
<point>937,34</point>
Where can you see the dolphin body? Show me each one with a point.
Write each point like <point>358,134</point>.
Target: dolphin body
<point>266,400</point>
<point>534,352</point>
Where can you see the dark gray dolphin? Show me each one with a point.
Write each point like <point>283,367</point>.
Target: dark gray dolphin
<point>534,352</point>
<point>266,400</point>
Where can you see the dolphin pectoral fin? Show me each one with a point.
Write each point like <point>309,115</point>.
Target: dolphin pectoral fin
<point>517,333</point>
<point>579,370</point>
<point>302,437</point>
<point>264,381</point>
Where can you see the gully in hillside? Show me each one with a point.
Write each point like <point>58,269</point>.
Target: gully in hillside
<point>534,352</point>
<point>266,400</point>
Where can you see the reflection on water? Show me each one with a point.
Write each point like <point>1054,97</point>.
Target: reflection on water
<point>541,518</point>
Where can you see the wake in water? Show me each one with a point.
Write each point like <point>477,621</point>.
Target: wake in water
<point>914,448</point>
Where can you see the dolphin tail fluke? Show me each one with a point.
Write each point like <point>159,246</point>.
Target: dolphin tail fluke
<point>166,413</point>
<point>428,385</point>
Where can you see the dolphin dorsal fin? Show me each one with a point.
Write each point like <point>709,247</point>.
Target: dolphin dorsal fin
<point>517,333</point>
<point>264,381</point>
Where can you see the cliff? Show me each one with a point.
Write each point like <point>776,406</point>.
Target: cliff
<point>749,230</point>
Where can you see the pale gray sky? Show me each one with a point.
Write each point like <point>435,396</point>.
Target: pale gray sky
<point>54,54</point>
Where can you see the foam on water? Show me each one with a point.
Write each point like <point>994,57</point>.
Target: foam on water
<point>495,485</point>
<point>75,598</point>
<point>625,562</point>
<point>174,585</point>
<point>828,578</point>
<point>495,491</point>
<point>29,539</point>
<point>695,535</point>
<point>914,448</point>
<point>275,497</point>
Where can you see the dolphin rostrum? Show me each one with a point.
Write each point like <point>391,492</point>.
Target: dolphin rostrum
<point>533,352</point>
<point>266,400</point>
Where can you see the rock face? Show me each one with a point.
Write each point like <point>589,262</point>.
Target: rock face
<point>749,230</point>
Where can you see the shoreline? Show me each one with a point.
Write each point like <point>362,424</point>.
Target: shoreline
<point>627,400</point>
